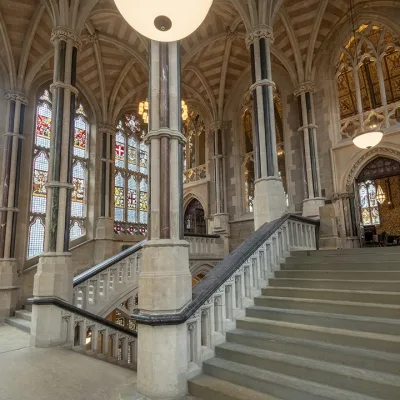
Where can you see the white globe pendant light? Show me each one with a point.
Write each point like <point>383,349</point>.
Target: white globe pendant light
<point>368,139</point>
<point>164,20</point>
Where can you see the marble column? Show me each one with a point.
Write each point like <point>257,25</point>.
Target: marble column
<point>105,223</point>
<point>314,200</point>
<point>54,273</point>
<point>221,217</point>
<point>269,201</point>
<point>165,279</point>
<point>9,188</point>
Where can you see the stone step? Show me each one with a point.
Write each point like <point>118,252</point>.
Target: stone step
<point>329,306</point>
<point>348,258</point>
<point>379,251</point>
<point>24,314</point>
<point>334,294</point>
<point>342,275</point>
<point>278,385</point>
<point>342,355</point>
<point>329,320</point>
<point>19,323</point>
<point>343,337</point>
<point>209,388</point>
<point>362,381</point>
<point>341,284</point>
<point>342,265</point>
<point>28,307</point>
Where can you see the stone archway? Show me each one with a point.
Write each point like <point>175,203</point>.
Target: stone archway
<point>194,218</point>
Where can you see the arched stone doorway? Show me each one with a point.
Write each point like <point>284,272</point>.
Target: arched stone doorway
<point>195,222</point>
<point>377,201</point>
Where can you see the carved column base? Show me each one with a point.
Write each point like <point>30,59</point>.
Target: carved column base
<point>9,286</point>
<point>269,201</point>
<point>165,285</point>
<point>53,279</point>
<point>311,207</point>
<point>104,244</point>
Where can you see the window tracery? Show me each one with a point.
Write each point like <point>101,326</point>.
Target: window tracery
<point>368,80</point>
<point>131,178</point>
<point>368,203</point>
<point>41,156</point>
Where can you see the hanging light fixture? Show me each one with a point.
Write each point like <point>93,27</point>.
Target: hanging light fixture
<point>380,195</point>
<point>144,110</point>
<point>368,139</point>
<point>164,20</point>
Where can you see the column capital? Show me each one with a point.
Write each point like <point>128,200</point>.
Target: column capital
<point>216,125</point>
<point>16,96</point>
<point>263,82</point>
<point>305,87</point>
<point>259,32</point>
<point>109,129</point>
<point>62,33</point>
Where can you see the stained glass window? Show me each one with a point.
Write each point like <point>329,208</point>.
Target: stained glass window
<point>131,166</point>
<point>40,170</point>
<point>368,203</point>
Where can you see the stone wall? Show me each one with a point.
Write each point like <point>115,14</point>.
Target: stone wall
<point>240,231</point>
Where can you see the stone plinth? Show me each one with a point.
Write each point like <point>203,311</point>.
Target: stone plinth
<point>53,279</point>
<point>104,244</point>
<point>269,200</point>
<point>165,287</point>
<point>328,238</point>
<point>8,287</point>
<point>311,207</point>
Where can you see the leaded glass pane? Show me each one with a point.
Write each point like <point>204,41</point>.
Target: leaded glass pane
<point>143,158</point>
<point>39,192</point>
<point>36,238</point>
<point>78,192</point>
<point>132,200</point>
<point>120,150</point>
<point>372,195</point>
<point>76,231</point>
<point>43,125</point>
<point>366,217</point>
<point>119,197</point>
<point>375,216</point>
<point>80,136</point>
<point>143,206</point>
<point>363,196</point>
<point>132,154</point>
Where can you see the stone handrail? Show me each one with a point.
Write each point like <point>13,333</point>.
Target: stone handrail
<point>105,282</point>
<point>230,287</point>
<point>205,245</point>
<point>93,335</point>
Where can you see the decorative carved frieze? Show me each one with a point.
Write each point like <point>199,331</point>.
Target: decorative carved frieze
<point>16,96</point>
<point>65,35</point>
<point>305,87</point>
<point>259,32</point>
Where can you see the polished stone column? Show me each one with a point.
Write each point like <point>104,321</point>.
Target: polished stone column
<point>165,279</point>
<point>314,200</point>
<point>54,272</point>
<point>105,223</point>
<point>9,190</point>
<point>221,218</point>
<point>269,201</point>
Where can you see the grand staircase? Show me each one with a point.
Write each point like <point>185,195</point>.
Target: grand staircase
<point>326,327</point>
